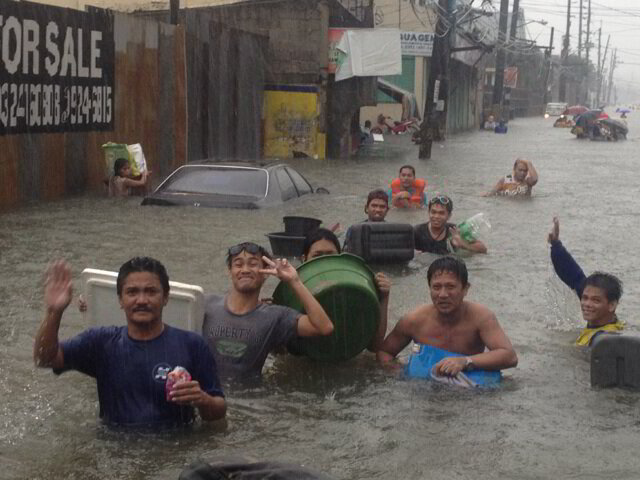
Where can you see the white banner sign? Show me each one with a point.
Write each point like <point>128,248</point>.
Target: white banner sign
<point>369,53</point>
<point>418,44</point>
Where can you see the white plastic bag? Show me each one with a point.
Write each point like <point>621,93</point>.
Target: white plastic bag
<point>138,162</point>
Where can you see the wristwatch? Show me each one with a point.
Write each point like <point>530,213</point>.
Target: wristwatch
<point>468,363</point>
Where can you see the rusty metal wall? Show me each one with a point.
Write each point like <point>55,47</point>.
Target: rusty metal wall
<point>226,67</point>
<point>225,95</point>
<point>150,108</point>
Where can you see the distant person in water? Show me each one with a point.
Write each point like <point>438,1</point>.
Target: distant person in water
<point>407,191</point>
<point>438,235</point>
<point>121,182</point>
<point>599,293</point>
<point>376,209</point>
<point>519,183</point>
<point>490,124</point>
<point>451,323</point>
<point>366,136</point>
<point>131,363</point>
<point>322,242</point>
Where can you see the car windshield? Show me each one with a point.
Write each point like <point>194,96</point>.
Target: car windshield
<point>235,181</point>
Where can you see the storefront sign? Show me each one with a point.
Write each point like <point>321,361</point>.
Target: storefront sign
<point>418,44</point>
<point>57,69</point>
<point>511,77</point>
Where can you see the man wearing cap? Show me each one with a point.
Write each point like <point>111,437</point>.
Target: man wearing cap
<point>438,235</point>
<point>240,329</point>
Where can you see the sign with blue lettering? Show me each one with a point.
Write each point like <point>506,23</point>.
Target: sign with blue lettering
<point>418,44</point>
<point>57,69</point>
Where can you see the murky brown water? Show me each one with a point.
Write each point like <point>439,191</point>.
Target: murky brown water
<point>353,421</point>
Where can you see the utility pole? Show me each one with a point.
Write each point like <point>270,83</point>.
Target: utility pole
<point>435,110</point>
<point>598,68</point>
<point>515,14</point>
<point>500,60</point>
<point>601,73</point>
<point>579,84</point>
<point>580,32</point>
<point>562,91</point>
<point>548,54</point>
<point>614,59</point>
<point>588,47</point>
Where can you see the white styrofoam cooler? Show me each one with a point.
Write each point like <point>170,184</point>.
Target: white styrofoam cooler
<point>185,308</point>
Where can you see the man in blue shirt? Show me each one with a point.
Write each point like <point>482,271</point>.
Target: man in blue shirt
<point>599,293</point>
<point>131,363</point>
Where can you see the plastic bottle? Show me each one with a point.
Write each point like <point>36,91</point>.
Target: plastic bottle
<point>474,227</point>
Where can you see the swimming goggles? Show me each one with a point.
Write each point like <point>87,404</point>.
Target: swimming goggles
<point>440,199</point>
<point>248,247</point>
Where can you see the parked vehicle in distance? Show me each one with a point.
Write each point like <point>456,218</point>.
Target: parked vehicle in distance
<point>230,185</point>
<point>555,109</point>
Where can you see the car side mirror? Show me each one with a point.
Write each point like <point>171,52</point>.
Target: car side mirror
<point>321,190</point>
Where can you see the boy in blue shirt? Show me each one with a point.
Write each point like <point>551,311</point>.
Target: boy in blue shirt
<point>131,363</point>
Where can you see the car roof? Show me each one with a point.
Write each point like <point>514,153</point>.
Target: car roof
<point>234,164</point>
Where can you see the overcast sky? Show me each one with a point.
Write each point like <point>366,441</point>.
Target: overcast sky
<point>620,19</point>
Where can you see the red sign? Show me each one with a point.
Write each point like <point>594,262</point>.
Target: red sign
<point>511,77</point>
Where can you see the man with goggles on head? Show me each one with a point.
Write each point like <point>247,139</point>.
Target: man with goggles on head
<point>240,329</point>
<point>438,235</point>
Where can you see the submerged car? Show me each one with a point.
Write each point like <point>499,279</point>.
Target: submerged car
<point>231,185</point>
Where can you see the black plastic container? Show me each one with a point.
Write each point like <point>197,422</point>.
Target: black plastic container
<point>300,226</point>
<point>382,242</point>
<point>286,245</point>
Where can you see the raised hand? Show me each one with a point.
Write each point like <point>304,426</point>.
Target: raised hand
<point>57,286</point>
<point>280,268</point>
<point>554,234</point>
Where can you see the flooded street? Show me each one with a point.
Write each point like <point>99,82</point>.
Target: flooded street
<point>352,420</point>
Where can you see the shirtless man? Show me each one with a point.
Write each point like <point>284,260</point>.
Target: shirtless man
<point>452,324</point>
<point>520,183</point>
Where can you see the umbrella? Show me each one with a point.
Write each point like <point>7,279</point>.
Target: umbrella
<point>623,110</point>
<point>575,110</point>
<point>588,117</point>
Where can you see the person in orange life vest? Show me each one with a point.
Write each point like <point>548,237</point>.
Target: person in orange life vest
<point>408,191</point>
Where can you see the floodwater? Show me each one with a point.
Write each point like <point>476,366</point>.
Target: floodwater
<point>353,421</point>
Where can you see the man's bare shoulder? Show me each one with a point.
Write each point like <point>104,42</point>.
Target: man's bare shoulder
<point>419,314</point>
<point>479,313</point>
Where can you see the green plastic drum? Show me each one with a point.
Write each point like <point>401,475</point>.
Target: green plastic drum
<point>345,287</point>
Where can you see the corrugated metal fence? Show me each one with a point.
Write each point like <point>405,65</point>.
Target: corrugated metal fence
<point>148,107</point>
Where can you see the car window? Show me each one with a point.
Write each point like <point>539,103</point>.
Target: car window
<point>286,184</point>
<point>220,181</point>
<point>298,180</point>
